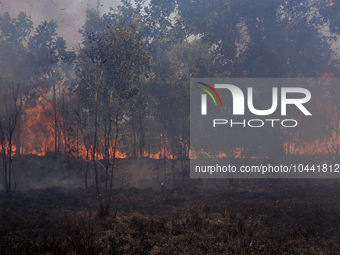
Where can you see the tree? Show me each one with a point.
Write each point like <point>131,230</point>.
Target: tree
<point>110,68</point>
<point>9,112</point>
<point>14,66</point>
<point>268,39</point>
<point>48,53</point>
<point>168,91</point>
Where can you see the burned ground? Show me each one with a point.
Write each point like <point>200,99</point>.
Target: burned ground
<point>284,216</point>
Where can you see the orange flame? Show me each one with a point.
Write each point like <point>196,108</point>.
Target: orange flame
<point>6,148</point>
<point>38,134</point>
<point>327,75</point>
<point>38,130</point>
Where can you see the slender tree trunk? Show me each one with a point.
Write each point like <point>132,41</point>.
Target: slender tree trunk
<point>95,143</point>
<point>87,167</point>
<point>107,153</point>
<point>115,144</point>
<point>55,123</point>
<point>142,137</point>
<point>164,159</point>
<point>134,145</point>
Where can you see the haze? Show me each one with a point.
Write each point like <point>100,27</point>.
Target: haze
<point>70,15</point>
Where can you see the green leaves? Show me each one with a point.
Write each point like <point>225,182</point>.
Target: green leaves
<point>15,30</point>
<point>46,49</point>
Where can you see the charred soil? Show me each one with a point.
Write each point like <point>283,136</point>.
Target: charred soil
<point>281,216</point>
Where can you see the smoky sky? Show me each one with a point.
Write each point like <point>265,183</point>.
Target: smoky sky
<point>69,14</point>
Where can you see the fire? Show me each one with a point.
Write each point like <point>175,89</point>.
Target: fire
<point>38,130</point>
<point>37,134</point>
<point>331,4</point>
<point>315,148</point>
<point>237,153</point>
<point>6,147</point>
<point>157,155</point>
<point>327,75</point>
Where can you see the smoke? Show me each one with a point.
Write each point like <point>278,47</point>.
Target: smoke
<point>50,182</point>
<point>70,15</point>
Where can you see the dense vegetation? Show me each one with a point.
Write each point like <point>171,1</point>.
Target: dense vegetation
<point>124,91</point>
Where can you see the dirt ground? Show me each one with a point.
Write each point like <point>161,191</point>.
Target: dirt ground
<point>281,216</point>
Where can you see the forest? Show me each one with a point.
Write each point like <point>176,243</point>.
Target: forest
<point>95,140</point>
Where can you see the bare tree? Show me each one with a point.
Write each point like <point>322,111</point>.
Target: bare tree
<point>110,68</point>
<point>10,109</point>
